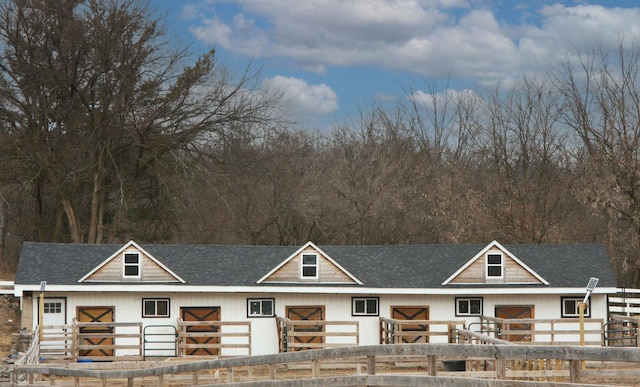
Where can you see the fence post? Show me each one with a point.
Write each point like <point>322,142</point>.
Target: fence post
<point>501,368</point>
<point>371,365</point>
<point>74,340</point>
<point>230,375</point>
<point>574,370</point>
<point>431,365</point>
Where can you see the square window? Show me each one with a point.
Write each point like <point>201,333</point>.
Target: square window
<point>155,307</point>
<point>309,266</point>
<point>570,307</point>
<point>260,307</point>
<point>365,306</point>
<point>468,306</point>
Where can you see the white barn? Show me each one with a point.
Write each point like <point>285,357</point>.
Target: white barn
<point>248,287</point>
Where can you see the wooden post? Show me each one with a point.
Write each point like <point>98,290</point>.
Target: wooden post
<point>315,368</point>
<point>229,375</point>
<point>41,316</point>
<point>581,307</point>
<point>371,365</point>
<point>272,371</point>
<point>501,368</point>
<point>431,365</point>
<point>574,370</point>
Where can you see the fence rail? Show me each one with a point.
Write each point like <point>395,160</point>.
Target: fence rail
<point>372,355</point>
<point>394,331</point>
<point>625,302</point>
<point>565,331</point>
<point>295,335</point>
<point>107,341</point>
<point>57,341</point>
<point>214,338</point>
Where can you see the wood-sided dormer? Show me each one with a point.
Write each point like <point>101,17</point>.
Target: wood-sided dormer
<point>309,265</point>
<point>495,265</point>
<point>131,263</point>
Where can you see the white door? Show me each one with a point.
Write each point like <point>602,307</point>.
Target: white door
<point>54,311</point>
<point>57,339</point>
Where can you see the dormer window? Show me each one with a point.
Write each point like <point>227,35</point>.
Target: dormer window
<point>131,265</point>
<point>309,266</point>
<point>495,266</point>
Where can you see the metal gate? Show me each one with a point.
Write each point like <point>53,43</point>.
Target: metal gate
<point>159,340</point>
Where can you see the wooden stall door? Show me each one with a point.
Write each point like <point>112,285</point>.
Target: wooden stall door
<point>96,314</point>
<point>516,312</point>
<point>199,313</point>
<point>411,313</point>
<point>306,313</point>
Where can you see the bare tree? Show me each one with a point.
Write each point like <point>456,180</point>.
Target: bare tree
<point>602,93</point>
<point>525,148</point>
<point>97,107</point>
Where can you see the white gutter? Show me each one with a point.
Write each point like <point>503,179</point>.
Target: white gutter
<point>181,288</point>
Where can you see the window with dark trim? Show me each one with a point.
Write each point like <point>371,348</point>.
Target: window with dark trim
<point>495,266</point>
<point>131,265</point>
<point>309,266</point>
<point>468,306</point>
<point>365,306</point>
<point>260,307</point>
<point>569,307</point>
<point>155,307</point>
<point>52,307</point>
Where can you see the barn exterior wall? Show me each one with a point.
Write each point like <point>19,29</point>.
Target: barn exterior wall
<point>128,308</point>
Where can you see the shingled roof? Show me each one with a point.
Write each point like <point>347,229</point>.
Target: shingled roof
<point>419,266</point>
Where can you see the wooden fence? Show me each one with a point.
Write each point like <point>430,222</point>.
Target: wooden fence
<point>32,356</point>
<point>371,356</point>
<point>296,335</point>
<point>626,302</point>
<point>564,331</point>
<point>57,342</point>
<point>214,338</point>
<point>418,331</point>
<point>107,341</point>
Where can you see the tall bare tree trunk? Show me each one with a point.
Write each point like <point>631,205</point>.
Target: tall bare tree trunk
<point>96,210</point>
<point>72,219</point>
<point>3,226</point>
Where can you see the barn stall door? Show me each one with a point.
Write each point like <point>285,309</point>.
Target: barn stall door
<point>516,312</point>
<point>411,313</point>
<point>306,313</point>
<point>210,313</point>
<point>96,314</point>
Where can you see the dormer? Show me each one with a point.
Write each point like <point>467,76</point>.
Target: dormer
<point>131,263</point>
<point>309,265</point>
<point>495,265</point>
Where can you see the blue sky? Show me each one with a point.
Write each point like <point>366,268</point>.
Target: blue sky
<point>330,57</point>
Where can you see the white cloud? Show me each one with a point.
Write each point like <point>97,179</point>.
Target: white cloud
<point>302,99</point>
<point>440,99</point>
<point>433,38</point>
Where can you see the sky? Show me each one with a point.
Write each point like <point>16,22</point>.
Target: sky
<point>331,58</point>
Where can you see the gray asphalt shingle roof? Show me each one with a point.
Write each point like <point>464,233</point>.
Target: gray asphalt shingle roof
<point>420,266</point>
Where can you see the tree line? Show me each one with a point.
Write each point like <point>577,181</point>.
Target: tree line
<point>109,132</point>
